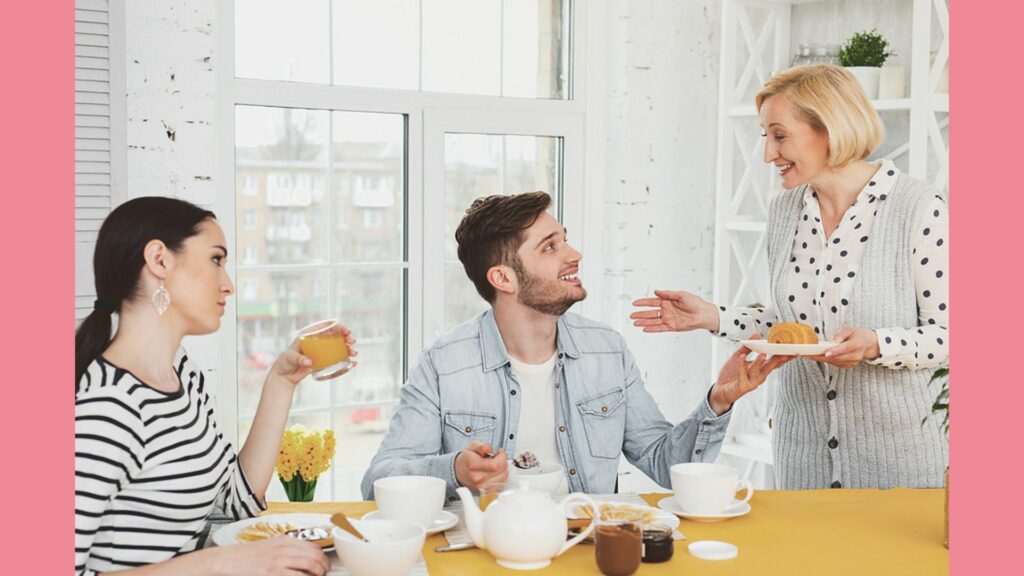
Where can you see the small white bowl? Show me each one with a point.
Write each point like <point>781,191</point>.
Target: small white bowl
<point>546,477</point>
<point>394,547</point>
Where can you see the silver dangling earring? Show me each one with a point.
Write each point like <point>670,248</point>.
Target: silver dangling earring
<point>161,299</point>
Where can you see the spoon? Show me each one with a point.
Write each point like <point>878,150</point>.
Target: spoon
<point>342,522</point>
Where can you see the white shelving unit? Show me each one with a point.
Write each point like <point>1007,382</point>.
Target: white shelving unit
<point>755,43</point>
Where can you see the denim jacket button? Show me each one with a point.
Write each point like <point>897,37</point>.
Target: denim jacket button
<point>604,408</point>
<point>698,451</point>
<point>561,428</point>
<point>572,471</point>
<point>513,392</point>
<point>469,429</point>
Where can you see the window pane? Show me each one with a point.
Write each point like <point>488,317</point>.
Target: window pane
<point>460,295</point>
<point>369,183</point>
<point>479,165</point>
<point>359,432</point>
<point>377,43</point>
<point>370,303</point>
<point>535,49</point>
<point>282,154</point>
<point>282,40</point>
<point>462,46</point>
<point>267,323</point>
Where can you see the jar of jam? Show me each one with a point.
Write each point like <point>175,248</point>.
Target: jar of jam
<point>658,543</point>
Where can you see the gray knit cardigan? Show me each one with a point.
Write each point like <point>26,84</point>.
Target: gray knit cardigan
<point>870,435</point>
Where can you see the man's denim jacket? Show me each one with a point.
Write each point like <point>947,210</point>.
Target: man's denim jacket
<point>463,390</point>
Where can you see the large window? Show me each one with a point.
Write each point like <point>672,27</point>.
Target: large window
<point>361,132</point>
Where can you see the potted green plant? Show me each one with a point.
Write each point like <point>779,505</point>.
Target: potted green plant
<point>941,407</point>
<point>863,54</point>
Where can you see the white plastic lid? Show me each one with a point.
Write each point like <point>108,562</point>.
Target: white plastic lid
<point>713,550</point>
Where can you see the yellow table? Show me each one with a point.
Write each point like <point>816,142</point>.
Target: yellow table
<point>857,532</point>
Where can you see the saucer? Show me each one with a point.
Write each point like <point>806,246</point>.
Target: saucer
<point>444,521</point>
<point>737,508</point>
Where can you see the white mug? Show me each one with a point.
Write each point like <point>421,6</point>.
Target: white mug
<point>416,499</point>
<point>707,489</point>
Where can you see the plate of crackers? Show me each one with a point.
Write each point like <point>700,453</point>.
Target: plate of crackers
<point>314,528</point>
<point>615,510</point>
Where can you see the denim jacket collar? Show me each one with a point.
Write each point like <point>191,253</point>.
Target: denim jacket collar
<point>492,347</point>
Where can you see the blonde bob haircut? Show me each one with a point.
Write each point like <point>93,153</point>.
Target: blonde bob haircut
<point>829,98</point>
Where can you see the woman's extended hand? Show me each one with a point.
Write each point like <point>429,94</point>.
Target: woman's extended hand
<point>279,556</point>
<point>738,377</point>
<point>854,345</point>
<point>293,366</point>
<point>676,312</point>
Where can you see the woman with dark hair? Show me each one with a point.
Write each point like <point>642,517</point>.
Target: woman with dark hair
<point>150,461</point>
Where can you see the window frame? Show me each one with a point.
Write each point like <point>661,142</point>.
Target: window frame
<point>428,116</point>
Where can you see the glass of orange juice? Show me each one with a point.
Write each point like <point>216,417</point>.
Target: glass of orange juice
<point>324,343</point>
<point>489,491</point>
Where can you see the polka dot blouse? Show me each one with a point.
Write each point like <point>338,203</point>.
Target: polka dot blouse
<point>822,270</point>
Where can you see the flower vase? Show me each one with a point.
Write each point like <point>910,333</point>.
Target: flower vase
<point>297,489</point>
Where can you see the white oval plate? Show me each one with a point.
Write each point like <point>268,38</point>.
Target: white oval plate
<point>229,534</point>
<point>660,515</point>
<point>736,509</point>
<point>444,521</point>
<point>787,349</point>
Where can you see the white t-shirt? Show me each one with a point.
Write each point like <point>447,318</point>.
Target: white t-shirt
<point>538,427</point>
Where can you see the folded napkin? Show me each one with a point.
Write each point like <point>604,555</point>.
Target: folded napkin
<point>458,534</point>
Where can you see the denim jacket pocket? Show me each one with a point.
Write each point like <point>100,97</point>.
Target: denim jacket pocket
<point>604,421</point>
<point>462,427</point>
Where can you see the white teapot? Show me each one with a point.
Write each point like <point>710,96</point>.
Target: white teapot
<point>523,529</point>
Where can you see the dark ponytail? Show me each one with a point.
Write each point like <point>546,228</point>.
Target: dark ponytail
<point>118,261</point>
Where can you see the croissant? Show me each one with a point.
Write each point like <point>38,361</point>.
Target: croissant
<point>792,333</point>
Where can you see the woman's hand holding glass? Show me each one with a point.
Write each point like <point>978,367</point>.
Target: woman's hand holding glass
<point>675,312</point>
<point>854,345</point>
<point>292,366</point>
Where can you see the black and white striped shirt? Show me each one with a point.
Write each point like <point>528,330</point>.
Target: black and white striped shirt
<point>149,468</point>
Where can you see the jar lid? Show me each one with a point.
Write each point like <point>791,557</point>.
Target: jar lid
<point>713,550</point>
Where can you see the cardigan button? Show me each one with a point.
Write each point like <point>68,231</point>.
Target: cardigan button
<point>833,443</point>
<point>837,484</point>
<point>831,395</point>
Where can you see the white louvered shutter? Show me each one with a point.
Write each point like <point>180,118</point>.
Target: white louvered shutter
<point>99,129</point>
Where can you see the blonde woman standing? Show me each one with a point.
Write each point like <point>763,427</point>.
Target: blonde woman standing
<point>859,251</point>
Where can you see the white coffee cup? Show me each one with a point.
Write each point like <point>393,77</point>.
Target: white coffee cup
<point>707,489</point>
<point>416,499</point>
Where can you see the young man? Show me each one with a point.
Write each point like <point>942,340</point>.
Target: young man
<point>526,375</point>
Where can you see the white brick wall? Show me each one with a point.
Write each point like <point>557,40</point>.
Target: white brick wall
<point>170,112</point>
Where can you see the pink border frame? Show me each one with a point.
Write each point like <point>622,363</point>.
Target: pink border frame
<point>38,256</point>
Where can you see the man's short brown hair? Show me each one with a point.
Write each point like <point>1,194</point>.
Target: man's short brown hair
<point>492,231</point>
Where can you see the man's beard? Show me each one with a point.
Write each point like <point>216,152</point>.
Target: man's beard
<point>544,296</point>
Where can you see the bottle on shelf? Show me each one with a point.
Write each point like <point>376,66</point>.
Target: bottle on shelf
<point>832,51</point>
<point>803,57</point>
<point>820,54</point>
